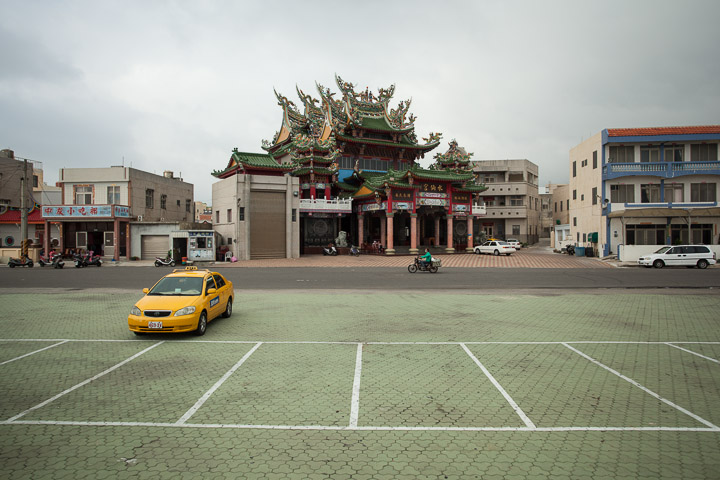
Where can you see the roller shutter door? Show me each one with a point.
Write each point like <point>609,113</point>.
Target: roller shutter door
<point>267,225</point>
<point>154,246</point>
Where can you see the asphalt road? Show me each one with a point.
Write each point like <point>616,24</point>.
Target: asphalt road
<point>383,279</point>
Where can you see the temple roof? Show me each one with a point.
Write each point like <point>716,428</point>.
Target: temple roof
<point>455,157</point>
<point>250,161</point>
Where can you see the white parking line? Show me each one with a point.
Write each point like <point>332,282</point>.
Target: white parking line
<point>646,390</point>
<point>85,382</point>
<point>32,353</point>
<point>355,403</point>
<point>204,398</point>
<point>328,342</point>
<point>509,399</point>
<point>365,428</point>
<point>684,350</point>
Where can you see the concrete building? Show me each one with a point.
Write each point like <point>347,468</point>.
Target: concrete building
<point>256,215</point>
<point>512,199</point>
<point>635,189</point>
<point>99,205</point>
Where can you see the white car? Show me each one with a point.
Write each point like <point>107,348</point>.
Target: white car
<point>495,247</point>
<point>515,243</point>
<point>680,255</point>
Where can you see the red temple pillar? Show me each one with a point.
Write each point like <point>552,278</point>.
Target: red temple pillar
<point>390,247</point>
<point>327,191</point>
<point>469,248</point>
<point>383,231</point>
<point>361,229</point>
<point>61,239</point>
<point>116,240</point>
<point>450,248</point>
<point>313,193</point>
<point>437,231</point>
<point>413,234</point>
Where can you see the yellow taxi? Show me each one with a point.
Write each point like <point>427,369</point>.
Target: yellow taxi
<point>184,301</point>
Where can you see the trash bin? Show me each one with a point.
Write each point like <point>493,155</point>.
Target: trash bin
<point>184,260</point>
<point>589,252</point>
<point>579,251</point>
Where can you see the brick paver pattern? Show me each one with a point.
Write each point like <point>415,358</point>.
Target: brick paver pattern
<point>417,372</point>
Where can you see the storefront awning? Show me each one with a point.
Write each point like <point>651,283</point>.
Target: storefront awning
<point>667,212</point>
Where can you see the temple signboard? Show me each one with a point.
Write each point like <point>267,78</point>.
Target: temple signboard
<point>433,187</point>
<point>441,202</point>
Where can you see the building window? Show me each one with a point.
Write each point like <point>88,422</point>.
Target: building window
<point>674,153</point>
<point>674,193</point>
<point>149,198</point>
<point>704,152</point>
<point>83,195</point>
<point>568,204</point>
<point>574,221</point>
<point>650,154</point>
<point>595,159</point>
<point>241,214</point>
<point>229,215</point>
<point>516,229</point>
<point>188,205</point>
<point>229,240</point>
<point>582,197</point>
<point>217,216</point>
<point>645,234</point>
<point>35,181</point>
<point>650,193</point>
<point>294,214</point>
<point>574,194</point>
<point>178,203</point>
<point>516,200</point>
<point>584,237</point>
<point>113,195</point>
<point>621,154</point>
<point>594,196</point>
<point>556,206</point>
<point>561,206</point>
<point>622,193</point>
<point>163,202</point>
<point>575,168</point>
<point>703,192</point>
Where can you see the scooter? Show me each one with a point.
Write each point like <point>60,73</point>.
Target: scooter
<point>330,251</point>
<point>43,260</point>
<point>167,261</point>
<point>91,259</point>
<point>20,262</point>
<point>570,249</point>
<point>79,260</point>
<point>57,261</point>
<point>354,251</point>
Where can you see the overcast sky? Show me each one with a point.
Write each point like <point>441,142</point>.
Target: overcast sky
<point>176,85</point>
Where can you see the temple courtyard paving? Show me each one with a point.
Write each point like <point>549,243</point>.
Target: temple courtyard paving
<point>375,385</point>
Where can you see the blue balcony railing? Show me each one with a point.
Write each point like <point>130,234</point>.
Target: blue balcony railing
<point>663,169</point>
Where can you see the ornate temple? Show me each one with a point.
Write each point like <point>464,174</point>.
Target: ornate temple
<point>356,163</point>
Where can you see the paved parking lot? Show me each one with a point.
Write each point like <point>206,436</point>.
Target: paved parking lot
<point>370,386</point>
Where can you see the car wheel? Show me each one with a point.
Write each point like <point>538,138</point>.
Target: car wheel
<point>228,309</point>
<point>202,324</point>
<point>702,263</point>
<point>508,254</point>
<point>433,269</point>
<point>658,264</point>
<point>496,253</point>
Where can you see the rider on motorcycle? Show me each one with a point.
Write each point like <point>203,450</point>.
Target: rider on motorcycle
<point>425,259</point>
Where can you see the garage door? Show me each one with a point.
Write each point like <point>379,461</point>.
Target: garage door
<point>267,225</point>
<point>154,246</point>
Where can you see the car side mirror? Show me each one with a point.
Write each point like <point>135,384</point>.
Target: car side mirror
<point>146,290</point>
<point>210,291</point>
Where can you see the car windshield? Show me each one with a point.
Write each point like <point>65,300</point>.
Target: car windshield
<point>182,286</point>
<point>663,250</point>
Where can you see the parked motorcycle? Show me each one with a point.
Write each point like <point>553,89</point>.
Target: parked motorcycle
<point>570,249</point>
<point>431,266</point>
<point>79,260</point>
<point>91,259</point>
<point>20,262</point>
<point>330,250</point>
<point>164,262</point>
<point>354,251</point>
<point>45,260</point>
<point>56,261</point>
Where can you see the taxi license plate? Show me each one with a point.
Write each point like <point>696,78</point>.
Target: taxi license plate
<point>154,325</point>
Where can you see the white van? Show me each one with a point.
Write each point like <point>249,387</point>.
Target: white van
<point>679,255</point>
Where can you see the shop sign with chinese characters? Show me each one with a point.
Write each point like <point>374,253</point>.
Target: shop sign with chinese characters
<point>80,211</point>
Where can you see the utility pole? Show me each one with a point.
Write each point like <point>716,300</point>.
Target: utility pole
<point>23,211</point>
